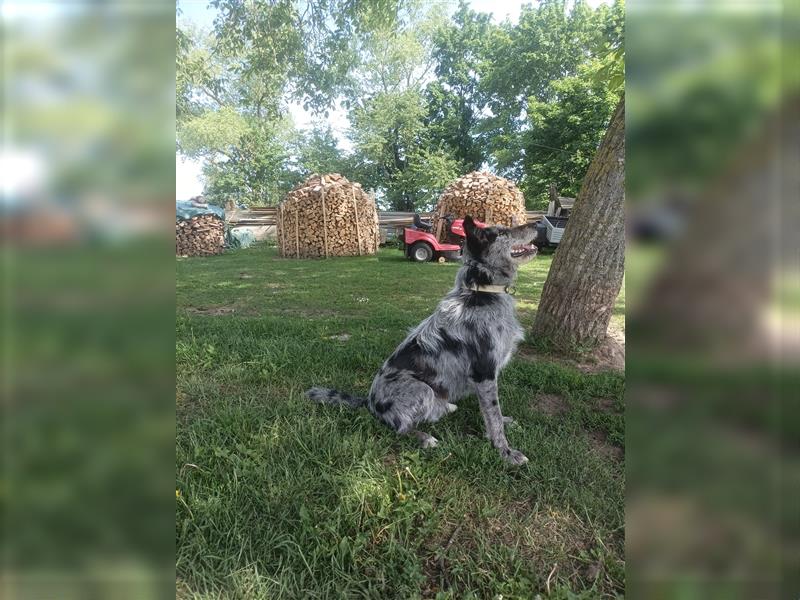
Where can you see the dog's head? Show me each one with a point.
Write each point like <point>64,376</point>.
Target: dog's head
<point>499,248</point>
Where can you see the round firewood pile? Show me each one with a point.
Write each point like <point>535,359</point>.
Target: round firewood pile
<point>327,215</point>
<point>203,235</point>
<point>485,197</point>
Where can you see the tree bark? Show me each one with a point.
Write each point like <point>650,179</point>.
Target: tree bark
<point>585,277</point>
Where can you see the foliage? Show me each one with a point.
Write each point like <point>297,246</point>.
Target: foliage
<point>541,66</point>
<point>317,151</point>
<point>428,98</point>
<point>257,170</point>
<point>387,111</point>
<point>564,135</point>
<point>454,98</point>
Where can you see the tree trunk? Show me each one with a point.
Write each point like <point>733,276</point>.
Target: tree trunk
<point>585,277</point>
<point>716,284</point>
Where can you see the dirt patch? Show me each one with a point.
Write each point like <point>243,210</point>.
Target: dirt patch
<point>599,443</point>
<point>608,356</point>
<point>342,337</point>
<point>182,590</point>
<point>389,461</point>
<point>551,405</point>
<point>214,311</point>
<point>183,405</point>
<point>607,405</point>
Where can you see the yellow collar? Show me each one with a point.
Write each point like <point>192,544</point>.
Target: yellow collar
<point>493,289</point>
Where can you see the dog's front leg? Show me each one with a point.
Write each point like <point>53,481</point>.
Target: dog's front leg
<point>493,420</point>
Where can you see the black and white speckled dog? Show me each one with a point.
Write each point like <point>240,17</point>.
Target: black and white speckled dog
<point>460,349</point>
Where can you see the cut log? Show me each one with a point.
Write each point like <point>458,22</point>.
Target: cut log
<point>484,196</point>
<point>203,235</point>
<point>332,217</point>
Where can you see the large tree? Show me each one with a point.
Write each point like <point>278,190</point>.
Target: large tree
<point>547,95</point>
<point>234,88</point>
<point>387,108</point>
<point>427,98</point>
<point>454,99</point>
<point>585,277</point>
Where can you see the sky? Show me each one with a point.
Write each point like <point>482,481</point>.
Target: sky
<point>188,172</point>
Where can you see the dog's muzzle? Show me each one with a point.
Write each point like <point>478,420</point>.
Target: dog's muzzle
<point>523,250</point>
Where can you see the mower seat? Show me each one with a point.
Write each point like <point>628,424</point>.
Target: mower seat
<point>422,225</point>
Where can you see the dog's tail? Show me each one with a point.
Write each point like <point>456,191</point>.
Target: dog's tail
<point>328,396</point>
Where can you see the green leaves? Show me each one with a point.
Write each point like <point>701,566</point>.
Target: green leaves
<point>427,98</point>
<point>549,97</point>
<point>214,131</point>
<point>563,136</point>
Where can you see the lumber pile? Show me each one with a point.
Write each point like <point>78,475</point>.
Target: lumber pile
<point>327,215</point>
<point>202,235</point>
<point>486,197</point>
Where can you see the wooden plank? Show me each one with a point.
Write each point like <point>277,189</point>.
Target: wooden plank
<point>324,220</point>
<point>296,233</point>
<point>282,232</point>
<point>355,215</point>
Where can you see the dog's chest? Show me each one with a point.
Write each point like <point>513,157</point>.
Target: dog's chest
<point>503,337</point>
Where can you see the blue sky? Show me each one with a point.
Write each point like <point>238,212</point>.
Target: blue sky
<point>188,173</point>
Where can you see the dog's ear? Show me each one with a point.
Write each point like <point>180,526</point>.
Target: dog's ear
<point>476,237</point>
<point>472,230</point>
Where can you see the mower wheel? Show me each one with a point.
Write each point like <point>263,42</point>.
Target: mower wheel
<point>420,252</point>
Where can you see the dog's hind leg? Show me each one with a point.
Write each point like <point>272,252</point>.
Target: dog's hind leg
<point>436,408</point>
<point>407,402</point>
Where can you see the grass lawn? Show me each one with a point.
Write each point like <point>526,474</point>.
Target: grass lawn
<point>280,498</point>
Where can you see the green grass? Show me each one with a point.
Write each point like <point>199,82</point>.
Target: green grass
<point>279,498</point>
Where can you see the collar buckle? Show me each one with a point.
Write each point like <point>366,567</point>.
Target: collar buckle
<point>510,290</point>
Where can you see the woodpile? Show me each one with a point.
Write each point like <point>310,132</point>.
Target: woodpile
<point>203,235</point>
<point>327,215</point>
<point>486,197</point>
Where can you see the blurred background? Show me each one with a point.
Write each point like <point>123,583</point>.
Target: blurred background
<point>88,302</point>
<point>713,280</point>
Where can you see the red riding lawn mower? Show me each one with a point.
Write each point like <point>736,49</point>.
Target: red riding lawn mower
<point>420,244</point>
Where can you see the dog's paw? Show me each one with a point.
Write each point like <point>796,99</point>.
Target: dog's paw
<point>514,457</point>
<point>509,421</point>
<point>451,408</point>
<point>428,442</point>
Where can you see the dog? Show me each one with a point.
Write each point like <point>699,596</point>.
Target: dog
<point>460,349</point>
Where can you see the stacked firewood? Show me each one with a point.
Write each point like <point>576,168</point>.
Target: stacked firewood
<point>202,235</point>
<point>485,197</point>
<point>327,215</point>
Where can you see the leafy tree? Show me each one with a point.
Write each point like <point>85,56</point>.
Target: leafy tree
<point>549,58</point>
<point>222,117</point>
<point>303,50</point>
<point>454,98</point>
<point>428,98</point>
<point>563,136</point>
<point>387,112</point>
<point>257,170</point>
<point>317,151</point>
<point>234,88</point>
